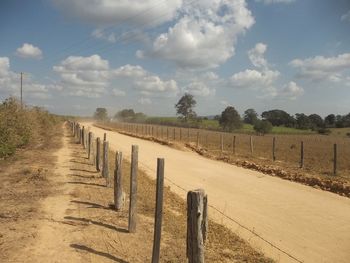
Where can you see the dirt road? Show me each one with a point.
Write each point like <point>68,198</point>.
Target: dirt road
<point>305,224</point>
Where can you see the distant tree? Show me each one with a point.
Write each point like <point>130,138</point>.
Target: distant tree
<point>217,117</point>
<point>263,126</point>
<point>339,121</point>
<point>330,120</point>
<point>230,119</point>
<point>184,107</point>
<point>125,115</point>
<point>250,116</point>
<point>302,121</point>
<point>278,118</point>
<point>101,114</point>
<point>316,121</point>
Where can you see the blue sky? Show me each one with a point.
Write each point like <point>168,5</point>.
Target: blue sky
<point>145,54</point>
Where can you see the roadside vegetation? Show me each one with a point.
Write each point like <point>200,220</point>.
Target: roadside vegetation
<point>23,126</point>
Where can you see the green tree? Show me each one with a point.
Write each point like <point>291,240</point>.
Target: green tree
<point>263,126</point>
<point>101,114</point>
<point>230,119</point>
<point>330,120</point>
<point>316,121</point>
<point>184,107</point>
<point>278,118</point>
<point>250,116</point>
<point>302,121</point>
<point>125,115</point>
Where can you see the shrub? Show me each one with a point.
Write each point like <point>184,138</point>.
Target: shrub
<point>263,126</point>
<point>324,131</point>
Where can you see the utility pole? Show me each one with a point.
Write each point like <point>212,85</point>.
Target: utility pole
<point>22,90</point>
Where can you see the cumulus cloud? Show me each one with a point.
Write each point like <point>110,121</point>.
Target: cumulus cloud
<point>254,79</point>
<point>291,91</point>
<point>204,36</point>
<point>256,55</point>
<point>268,2</point>
<point>346,16</point>
<point>29,51</point>
<point>199,88</point>
<point>108,12</point>
<point>145,82</point>
<point>84,76</point>
<point>321,68</point>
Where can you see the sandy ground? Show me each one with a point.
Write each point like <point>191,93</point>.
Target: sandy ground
<point>308,224</point>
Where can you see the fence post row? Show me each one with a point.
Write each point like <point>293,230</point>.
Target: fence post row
<point>273,149</point>
<point>133,190</point>
<point>158,211</point>
<point>251,145</point>
<point>197,225</point>
<point>301,154</point>
<point>335,159</point>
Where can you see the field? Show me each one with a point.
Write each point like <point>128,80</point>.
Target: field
<point>247,150</point>
<point>214,125</point>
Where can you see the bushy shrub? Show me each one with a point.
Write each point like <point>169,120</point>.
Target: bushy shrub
<point>19,127</point>
<point>263,126</point>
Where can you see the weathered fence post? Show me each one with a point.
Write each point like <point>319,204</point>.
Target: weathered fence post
<point>89,145</point>
<point>188,135</point>
<point>159,211</point>
<point>234,144</point>
<point>98,153</point>
<point>251,145</point>
<point>301,154</point>
<point>174,134</point>
<point>273,149</point>
<point>197,225</point>
<point>335,159</point>
<point>118,187</point>
<point>167,133</point>
<point>105,165</point>
<point>222,143</point>
<point>180,134</point>
<point>197,144</point>
<point>133,189</point>
<point>105,137</point>
<point>83,137</point>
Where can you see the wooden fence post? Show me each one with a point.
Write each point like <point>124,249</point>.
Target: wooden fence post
<point>133,189</point>
<point>273,149</point>
<point>167,133</point>
<point>222,142</point>
<point>89,145</point>
<point>118,186</point>
<point>197,139</point>
<point>105,137</point>
<point>159,211</point>
<point>301,154</point>
<point>188,135</point>
<point>98,154</point>
<point>105,164</point>
<point>180,134</point>
<point>197,225</point>
<point>174,135</point>
<point>335,159</point>
<point>251,145</point>
<point>234,144</point>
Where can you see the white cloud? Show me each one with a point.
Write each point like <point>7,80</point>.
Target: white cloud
<point>84,76</point>
<point>145,82</point>
<point>291,91</point>
<point>346,16</point>
<point>254,79</point>
<point>29,51</point>
<point>205,35</point>
<point>102,35</point>
<point>256,55</point>
<point>268,2</point>
<point>321,68</point>
<point>145,101</point>
<point>199,88</point>
<point>118,92</point>
<point>108,12</point>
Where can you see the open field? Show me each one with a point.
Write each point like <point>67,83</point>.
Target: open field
<point>318,149</point>
<point>214,125</point>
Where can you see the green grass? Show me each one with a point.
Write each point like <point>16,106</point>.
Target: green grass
<point>214,125</point>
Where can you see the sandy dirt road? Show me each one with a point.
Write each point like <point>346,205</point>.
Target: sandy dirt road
<point>308,224</point>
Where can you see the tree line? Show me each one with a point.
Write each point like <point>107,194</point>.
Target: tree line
<point>231,120</point>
